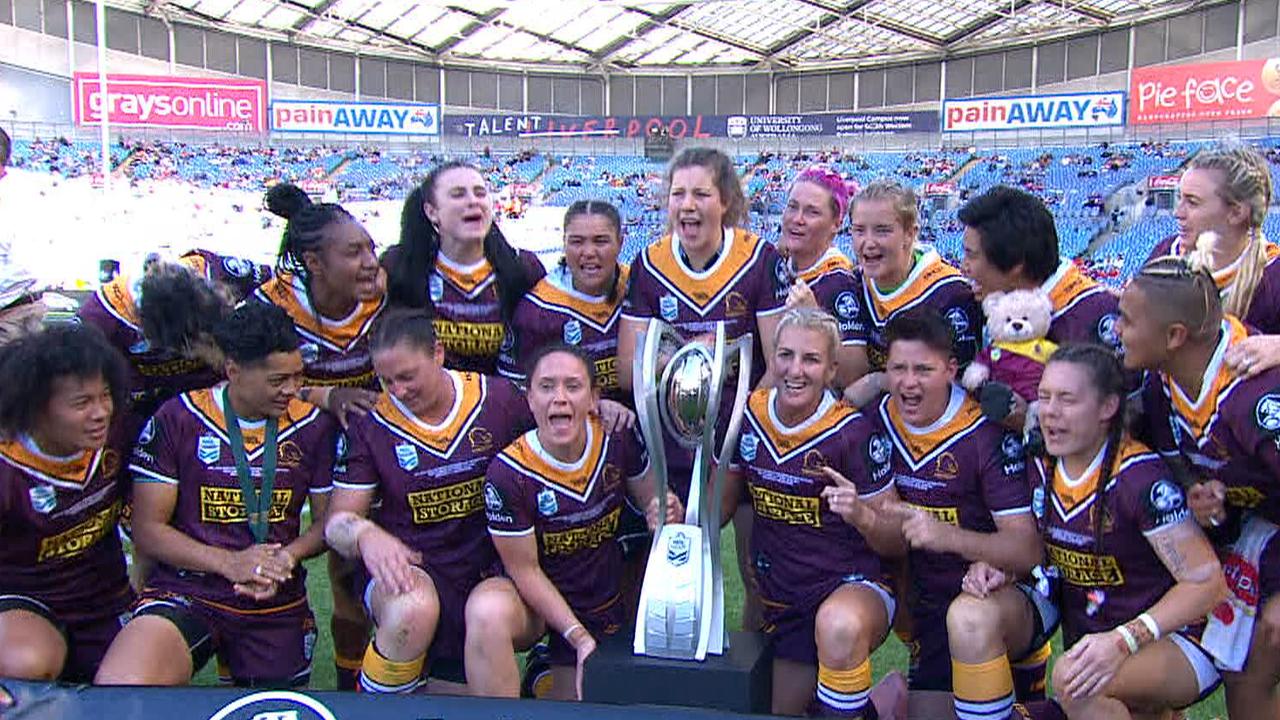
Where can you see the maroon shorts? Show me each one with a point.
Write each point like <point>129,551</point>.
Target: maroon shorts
<point>87,637</point>
<point>791,626</point>
<point>600,622</point>
<point>271,647</point>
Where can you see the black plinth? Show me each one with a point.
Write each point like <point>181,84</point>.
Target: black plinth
<point>738,681</point>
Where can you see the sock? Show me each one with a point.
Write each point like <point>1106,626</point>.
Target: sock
<point>983,691</point>
<point>350,638</point>
<point>846,693</point>
<point>1029,674</point>
<point>347,672</point>
<point>380,675</point>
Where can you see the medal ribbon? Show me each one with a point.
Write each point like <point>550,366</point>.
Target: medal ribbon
<point>257,500</point>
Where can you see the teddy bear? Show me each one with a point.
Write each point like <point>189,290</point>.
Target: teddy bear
<point>1014,359</point>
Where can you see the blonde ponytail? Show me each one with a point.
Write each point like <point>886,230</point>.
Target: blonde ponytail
<point>1247,181</point>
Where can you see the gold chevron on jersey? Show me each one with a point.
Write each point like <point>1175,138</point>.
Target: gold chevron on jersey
<point>1070,500</point>
<point>469,392</point>
<point>1198,415</point>
<point>1225,277</point>
<point>556,294</point>
<point>120,296</point>
<point>1068,286</point>
<point>287,292</point>
<point>71,473</point>
<point>831,261</point>
<point>527,457</point>
<point>470,281</point>
<point>929,273</point>
<point>786,443</point>
<point>206,404</point>
<point>703,291</point>
<point>919,446</point>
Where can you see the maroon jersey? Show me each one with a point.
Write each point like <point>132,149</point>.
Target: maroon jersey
<point>553,312</point>
<point>834,282</point>
<point>429,478</point>
<point>155,374</point>
<point>931,282</point>
<point>801,550</point>
<point>963,470</point>
<point>186,445</point>
<point>1108,586</point>
<point>741,285</point>
<point>1230,433</point>
<point>468,316</point>
<point>334,352</point>
<point>1083,310</point>
<point>58,538</point>
<point>572,509</point>
<point>1264,311</point>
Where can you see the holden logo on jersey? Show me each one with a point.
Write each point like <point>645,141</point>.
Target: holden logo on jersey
<point>1011,448</point>
<point>668,308</point>
<point>678,549</point>
<point>547,503</point>
<point>407,456</point>
<point>237,267</point>
<point>782,271</point>
<point>436,287</point>
<point>959,322</point>
<point>1107,330</point>
<point>846,305</point>
<point>1037,501</point>
<point>747,446</point>
<point>1267,412</point>
<point>310,352</point>
<point>148,432</point>
<point>492,500</point>
<point>572,332</point>
<point>1167,502</point>
<point>43,498</point>
<point>209,449</point>
<point>274,705</point>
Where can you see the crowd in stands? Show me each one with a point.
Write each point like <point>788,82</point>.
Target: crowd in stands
<point>1078,183</point>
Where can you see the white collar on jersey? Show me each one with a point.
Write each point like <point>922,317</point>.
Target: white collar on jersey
<point>1048,285</point>
<point>828,399</point>
<point>1094,466</point>
<point>953,407</point>
<point>216,390</point>
<point>448,419</point>
<point>459,267</point>
<point>536,446</point>
<point>30,444</point>
<point>1211,370</point>
<point>821,258</point>
<point>562,279</point>
<point>726,245</point>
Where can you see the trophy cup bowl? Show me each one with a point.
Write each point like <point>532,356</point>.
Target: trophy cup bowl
<point>686,387</point>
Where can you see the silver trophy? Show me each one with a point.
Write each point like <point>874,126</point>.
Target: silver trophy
<point>681,612</point>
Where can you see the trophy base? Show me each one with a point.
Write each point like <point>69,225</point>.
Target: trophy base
<point>738,681</point>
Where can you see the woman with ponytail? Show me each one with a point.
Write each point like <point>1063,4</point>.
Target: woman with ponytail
<point>1226,191</point>
<point>453,261</point>
<point>1137,574</point>
<point>1225,431</point>
<point>329,282</point>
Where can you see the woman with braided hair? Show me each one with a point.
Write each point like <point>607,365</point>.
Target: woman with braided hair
<point>1224,430</point>
<point>329,282</point>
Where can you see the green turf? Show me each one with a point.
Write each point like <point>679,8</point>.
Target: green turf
<point>891,656</point>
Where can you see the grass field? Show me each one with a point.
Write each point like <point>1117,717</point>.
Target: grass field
<point>891,656</point>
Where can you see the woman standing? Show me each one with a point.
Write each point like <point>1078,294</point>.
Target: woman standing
<point>453,260</point>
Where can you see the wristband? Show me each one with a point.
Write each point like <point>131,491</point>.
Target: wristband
<point>569,631</point>
<point>1129,640</point>
<point>1150,622</point>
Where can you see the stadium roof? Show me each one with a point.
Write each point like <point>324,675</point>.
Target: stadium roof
<point>639,35</point>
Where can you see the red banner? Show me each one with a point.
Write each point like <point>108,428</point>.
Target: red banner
<point>1205,92</point>
<point>939,188</point>
<point>173,102</point>
<point>1163,182</point>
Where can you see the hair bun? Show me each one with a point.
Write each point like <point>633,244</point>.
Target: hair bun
<point>287,200</point>
<point>1201,258</point>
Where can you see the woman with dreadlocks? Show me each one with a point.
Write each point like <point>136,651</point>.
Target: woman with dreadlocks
<point>1225,430</point>
<point>328,281</point>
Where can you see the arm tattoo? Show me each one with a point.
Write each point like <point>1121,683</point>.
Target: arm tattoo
<point>1166,547</point>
